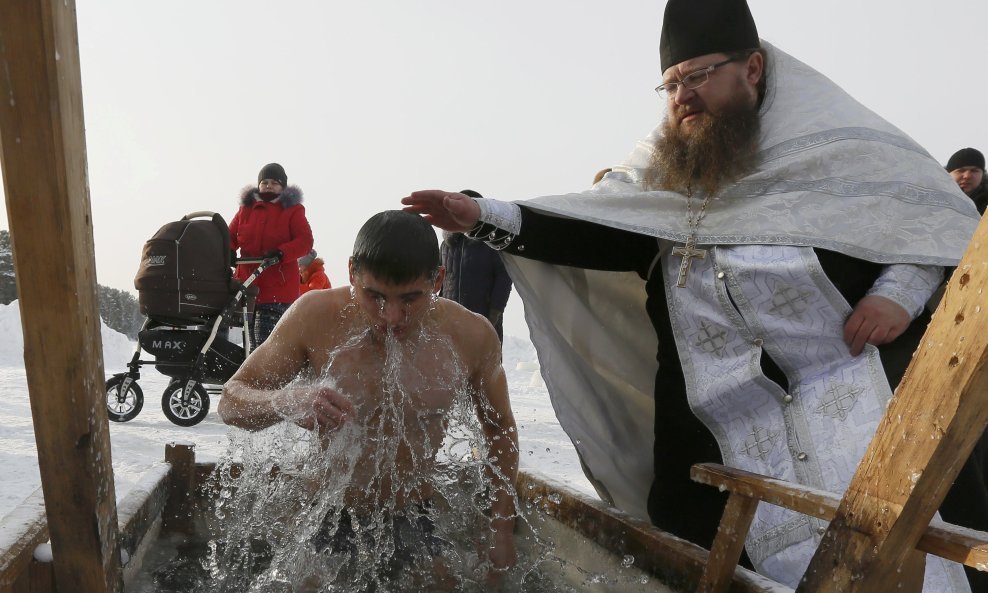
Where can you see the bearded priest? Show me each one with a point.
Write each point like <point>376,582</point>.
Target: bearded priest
<point>783,241</point>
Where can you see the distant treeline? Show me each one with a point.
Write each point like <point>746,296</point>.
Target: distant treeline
<point>117,308</point>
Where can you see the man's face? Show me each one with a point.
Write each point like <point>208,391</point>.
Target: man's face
<point>729,89</point>
<point>391,308</point>
<point>710,136</point>
<point>968,178</point>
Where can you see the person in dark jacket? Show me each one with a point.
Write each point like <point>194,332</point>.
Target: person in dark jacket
<point>271,223</point>
<point>967,167</point>
<point>475,276</point>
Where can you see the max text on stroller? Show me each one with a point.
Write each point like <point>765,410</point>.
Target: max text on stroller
<point>167,345</point>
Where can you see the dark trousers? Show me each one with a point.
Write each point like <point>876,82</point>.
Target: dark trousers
<point>266,316</point>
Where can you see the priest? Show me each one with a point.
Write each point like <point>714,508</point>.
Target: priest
<point>781,239</point>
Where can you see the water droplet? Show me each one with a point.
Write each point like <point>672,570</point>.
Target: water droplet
<point>628,561</point>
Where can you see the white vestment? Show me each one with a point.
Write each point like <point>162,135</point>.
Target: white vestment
<point>832,175</point>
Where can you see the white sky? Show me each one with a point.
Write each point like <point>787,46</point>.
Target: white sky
<point>363,102</point>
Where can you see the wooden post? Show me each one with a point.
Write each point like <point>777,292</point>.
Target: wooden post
<point>728,544</point>
<point>930,428</point>
<point>42,135</point>
<point>177,515</point>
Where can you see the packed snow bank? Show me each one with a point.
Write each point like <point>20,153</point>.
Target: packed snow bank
<point>117,348</point>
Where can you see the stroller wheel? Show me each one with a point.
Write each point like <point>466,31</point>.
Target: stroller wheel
<point>185,413</point>
<point>121,407</point>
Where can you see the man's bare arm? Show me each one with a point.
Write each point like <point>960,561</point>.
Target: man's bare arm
<point>257,395</point>
<point>490,390</point>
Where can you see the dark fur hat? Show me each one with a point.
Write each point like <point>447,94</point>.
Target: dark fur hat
<point>966,157</point>
<point>273,171</point>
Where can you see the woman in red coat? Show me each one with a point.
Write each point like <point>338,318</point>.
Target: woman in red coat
<point>312,272</point>
<point>271,223</point>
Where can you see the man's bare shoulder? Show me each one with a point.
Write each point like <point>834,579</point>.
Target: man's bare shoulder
<point>470,331</point>
<point>330,297</point>
<point>318,306</point>
<point>457,314</point>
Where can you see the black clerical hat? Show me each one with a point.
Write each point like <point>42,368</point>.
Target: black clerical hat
<point>692,28</point>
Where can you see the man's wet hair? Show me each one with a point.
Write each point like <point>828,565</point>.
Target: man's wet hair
<point>397,247</point>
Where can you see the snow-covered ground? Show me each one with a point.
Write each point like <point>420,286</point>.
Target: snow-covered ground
<point>138,444</point>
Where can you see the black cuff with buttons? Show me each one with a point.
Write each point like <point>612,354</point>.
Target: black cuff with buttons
<point>495,238</point>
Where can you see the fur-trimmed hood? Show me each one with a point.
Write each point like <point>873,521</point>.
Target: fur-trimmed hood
<point>290,196</point>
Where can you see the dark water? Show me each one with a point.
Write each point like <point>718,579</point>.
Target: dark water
<point>180,564</point>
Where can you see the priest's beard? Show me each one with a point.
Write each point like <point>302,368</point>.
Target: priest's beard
<point>719,150</point>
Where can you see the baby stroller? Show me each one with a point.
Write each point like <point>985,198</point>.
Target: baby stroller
<point>188,293</point>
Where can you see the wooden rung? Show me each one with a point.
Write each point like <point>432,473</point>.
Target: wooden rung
<point>803,499</point>
<point>952,542</point>
<point>728,544</point>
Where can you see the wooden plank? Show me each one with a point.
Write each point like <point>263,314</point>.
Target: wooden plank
<point>676,562</point>
<point>41,576</point>
<point>21,531</point>
<point>928,431</point>
<point>967,546</point>
<point>959,544</point>
<point>142,507</point>
<point>726,549</point>
<point>180,507</point>
<point>796,497</point>
<point>42,135</point>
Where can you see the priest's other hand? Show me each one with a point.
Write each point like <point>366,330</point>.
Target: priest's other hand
<point>446,210</point>
<point>875,320</point>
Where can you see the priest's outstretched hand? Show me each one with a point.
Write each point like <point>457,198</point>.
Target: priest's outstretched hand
<point>875,320</point>
<point>446,210</point>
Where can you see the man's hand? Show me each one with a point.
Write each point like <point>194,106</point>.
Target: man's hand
<point>875,320</point>
<point>313,407</point>
<point>448,211</point>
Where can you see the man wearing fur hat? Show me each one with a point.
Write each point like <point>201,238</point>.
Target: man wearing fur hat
<point>967,167</point>
<point>271,223</point>
<point>782,241</point>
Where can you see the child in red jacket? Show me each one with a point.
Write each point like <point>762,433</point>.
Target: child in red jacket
<point>312,273</point>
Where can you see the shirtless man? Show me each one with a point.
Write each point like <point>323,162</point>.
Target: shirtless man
<point>389,356</point>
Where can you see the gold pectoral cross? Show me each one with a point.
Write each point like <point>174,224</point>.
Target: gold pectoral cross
<point>688,252</point>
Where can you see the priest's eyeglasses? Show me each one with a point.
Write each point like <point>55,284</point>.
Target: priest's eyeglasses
<point>693,80</point>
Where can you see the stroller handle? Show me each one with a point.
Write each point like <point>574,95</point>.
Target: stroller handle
<point>199,214</point>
